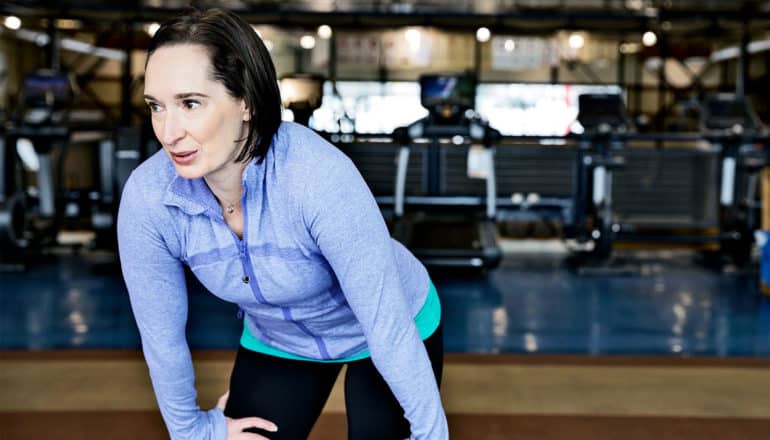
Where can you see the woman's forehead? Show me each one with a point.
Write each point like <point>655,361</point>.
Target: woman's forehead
<point>178,68</point>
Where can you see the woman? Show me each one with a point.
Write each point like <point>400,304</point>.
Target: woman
<point>269,216</point>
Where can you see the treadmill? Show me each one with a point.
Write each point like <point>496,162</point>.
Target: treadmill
<point>729,121</point>
<point>603,116</point>
<point>30,221</point>
<point>452,222</point>
<point>302,93</point>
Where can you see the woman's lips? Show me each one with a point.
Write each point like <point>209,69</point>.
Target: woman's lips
<point>184,157</point>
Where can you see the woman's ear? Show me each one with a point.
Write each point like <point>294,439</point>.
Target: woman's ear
<point>245,113</point>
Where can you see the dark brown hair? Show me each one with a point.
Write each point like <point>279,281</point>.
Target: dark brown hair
<point>240,61</point>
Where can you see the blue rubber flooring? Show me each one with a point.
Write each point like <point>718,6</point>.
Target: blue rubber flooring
<point>531,304</point>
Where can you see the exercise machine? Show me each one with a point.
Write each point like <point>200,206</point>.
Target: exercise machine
<point>453,223</point>
<point>302,94</point>
<point>721,175</point>
<point>602,117</point>
<point>35,201</point>
<point>729,122</point>
<point>28,218</point>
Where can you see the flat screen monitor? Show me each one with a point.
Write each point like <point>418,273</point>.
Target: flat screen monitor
<point>302,90</point>
<point>597,109</point>
<point>456,90</point>
<point>51,90</point>
<point>725,111</point>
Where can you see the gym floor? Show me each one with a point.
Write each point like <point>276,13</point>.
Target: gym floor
<point>668,349</point>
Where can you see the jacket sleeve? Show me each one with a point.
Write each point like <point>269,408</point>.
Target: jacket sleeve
<point>348,228</point>
<point>158,293</point>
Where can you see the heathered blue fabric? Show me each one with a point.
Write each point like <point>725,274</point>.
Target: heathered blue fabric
<point>325,278</point>
<point>427,321</point>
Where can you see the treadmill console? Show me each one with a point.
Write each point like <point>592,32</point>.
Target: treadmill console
<point>447,97</point>
<point>45,97</point>
<point>302,94</point>
<point>603,113</point>
<point>727,111</point>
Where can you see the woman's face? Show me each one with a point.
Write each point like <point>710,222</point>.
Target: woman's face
<point>199,124</point>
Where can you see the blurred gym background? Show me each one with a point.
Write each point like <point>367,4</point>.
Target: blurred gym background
<point>587,181</point>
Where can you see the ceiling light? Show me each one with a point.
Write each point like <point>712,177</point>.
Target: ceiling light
<point>68,24</point>
<point>152,28</point>
<point>413,37</point>
<point>307,42</point>
<point>12,22</point>
<point>483,34</point>
<point>324,31</point>
<point>576,41</point>
<point>649,38</point>
<point>627,48</point>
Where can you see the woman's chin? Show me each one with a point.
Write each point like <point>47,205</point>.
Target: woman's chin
<point>188,172</point>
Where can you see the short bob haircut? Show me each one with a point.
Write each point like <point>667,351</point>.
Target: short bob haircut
<point>240,61</point>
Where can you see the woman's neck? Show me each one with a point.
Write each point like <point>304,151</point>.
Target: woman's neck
<point>227,183</point>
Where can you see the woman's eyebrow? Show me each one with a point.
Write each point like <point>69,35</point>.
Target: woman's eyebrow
<point>180,96</point>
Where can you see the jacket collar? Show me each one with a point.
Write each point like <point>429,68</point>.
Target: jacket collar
<point>194,197</point>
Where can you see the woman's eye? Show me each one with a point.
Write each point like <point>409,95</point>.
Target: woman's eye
<point>191,104</point>
<point>153,106</point>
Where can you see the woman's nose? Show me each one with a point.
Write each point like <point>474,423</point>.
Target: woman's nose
<point>173,129</point>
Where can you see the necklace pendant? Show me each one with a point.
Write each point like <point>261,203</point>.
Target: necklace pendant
<point>230,209</point>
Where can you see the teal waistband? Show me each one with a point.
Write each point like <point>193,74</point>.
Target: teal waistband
<point>426,320</point>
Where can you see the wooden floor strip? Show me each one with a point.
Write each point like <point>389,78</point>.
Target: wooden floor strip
<point>147,425</point>
<point>711,392</point>
<point>450,358</point>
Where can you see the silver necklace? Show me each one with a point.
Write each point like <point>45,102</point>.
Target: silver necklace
<point>229,208</point>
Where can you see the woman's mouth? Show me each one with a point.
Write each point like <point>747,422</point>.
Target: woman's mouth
<point>184,157</point>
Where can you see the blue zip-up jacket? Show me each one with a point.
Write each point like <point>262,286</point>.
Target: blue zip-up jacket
<point>316,273</point>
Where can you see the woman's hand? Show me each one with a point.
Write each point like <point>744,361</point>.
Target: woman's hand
<point>235,427</point>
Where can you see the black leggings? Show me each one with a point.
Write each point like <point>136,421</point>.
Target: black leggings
<point>292,394</point>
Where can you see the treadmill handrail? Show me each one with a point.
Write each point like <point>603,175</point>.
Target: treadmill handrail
<point>3,170</point>
<point>424,128</point>
<point>400,189</point>
<point>491,186</point>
